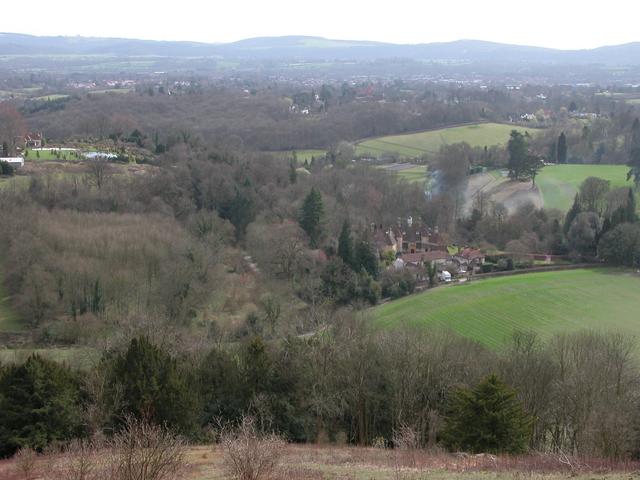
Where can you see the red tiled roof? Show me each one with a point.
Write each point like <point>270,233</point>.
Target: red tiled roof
<point>424,256</point>
<point>471,253</point>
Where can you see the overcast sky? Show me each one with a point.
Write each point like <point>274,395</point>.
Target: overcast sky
<point>550,23</point>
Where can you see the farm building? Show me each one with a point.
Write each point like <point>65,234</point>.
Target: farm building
<point>15,162</point>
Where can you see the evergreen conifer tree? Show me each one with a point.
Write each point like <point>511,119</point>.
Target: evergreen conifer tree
<point>311,217</point>
<point>365,258</point>
<point>487,418</point>
<point>40,403</point>
<point>147,383</point>
<point>562,149</point>
<point>573,212</point>
<point>345,244</point>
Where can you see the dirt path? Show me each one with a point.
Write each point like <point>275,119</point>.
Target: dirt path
<point>514,194</point>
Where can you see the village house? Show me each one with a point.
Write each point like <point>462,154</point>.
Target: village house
<point>469,259</point>
<point>412,238</point>
<point>33,140</point>
<point>407,237</point>
<point>420,259</point>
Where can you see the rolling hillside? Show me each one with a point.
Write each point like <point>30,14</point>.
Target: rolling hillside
<point>318,48</point>
<point>559,184</point>
<point>429,142</point>
<point>548,303</point>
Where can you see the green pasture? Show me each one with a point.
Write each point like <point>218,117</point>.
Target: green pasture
<point>302,155</point>
<point>559,184</point>
<point>51,98</point>
<point>417,174</point>
<point>110,91</point>
<point>429,142</point>
<point>548,303</point>
<point>80,357</point>
<point>49,155</point>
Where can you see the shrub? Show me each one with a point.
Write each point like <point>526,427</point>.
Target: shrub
<point>25,463</point>
<point>144,451</point>
<point>250,454</point>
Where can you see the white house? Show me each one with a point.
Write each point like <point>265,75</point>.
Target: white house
<point>15,162</point>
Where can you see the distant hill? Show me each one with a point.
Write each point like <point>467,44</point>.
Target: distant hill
<point>317,48</point>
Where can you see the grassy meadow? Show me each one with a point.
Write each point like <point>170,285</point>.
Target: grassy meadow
<point>429,142</point>
<point>51,98</point>
<point>417,174</point>
<point>334,462</point>
<point>77,357</point>
<point>559,184</point>
<point>548,303</point>
<point>49,155</point>
<point>302,155</point>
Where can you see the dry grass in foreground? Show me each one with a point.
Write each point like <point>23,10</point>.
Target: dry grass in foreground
<point>300,462</point>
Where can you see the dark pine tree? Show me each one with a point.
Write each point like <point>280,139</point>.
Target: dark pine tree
<point>345,244</point>
<point>517,148</point>
<point>40,403</point>
<point>311,217</point>
<point>146,382</point>
<point>561,154</point>
<point>365,258</point>
<point>487,418</point>
<point>573,212</point>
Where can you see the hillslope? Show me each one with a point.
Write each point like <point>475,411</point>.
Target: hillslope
<point>317,48</point>
<point>558,184</point>
<point>430,141</point>
<point>547,303</point>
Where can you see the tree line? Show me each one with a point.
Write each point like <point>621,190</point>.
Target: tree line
<point>574,393</point>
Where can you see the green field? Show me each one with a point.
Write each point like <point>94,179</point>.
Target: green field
<point>558,184</point>
<point>51,98</point>
<point>80,357</point>
<point>418,144</point>
<point>547,303</point>
<point>417,174</point>
<point>307,155</point>
<point>110,91</point>
<point>48,155</point>
<point>302,155</point>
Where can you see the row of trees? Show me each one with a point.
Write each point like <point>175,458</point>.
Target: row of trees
<point>573,393</point>
<point>603,221</point>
